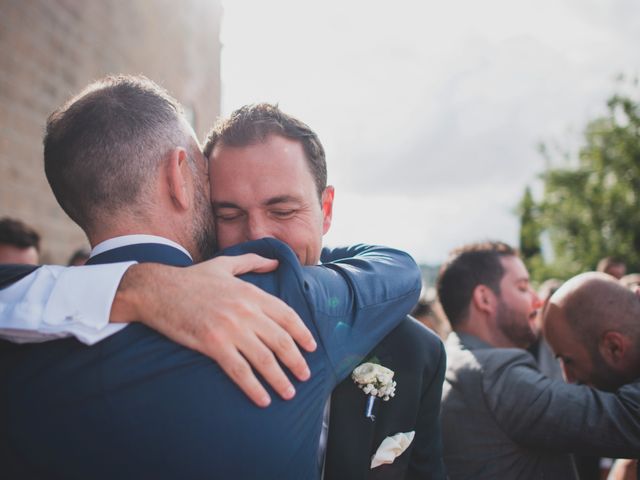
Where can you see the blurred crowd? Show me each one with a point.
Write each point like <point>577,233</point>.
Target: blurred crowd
<point>20,244</point>
<point>476,332</point>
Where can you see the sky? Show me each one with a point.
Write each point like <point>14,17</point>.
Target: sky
<point>431,112</point>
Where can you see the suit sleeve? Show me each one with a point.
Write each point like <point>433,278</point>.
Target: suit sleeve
<point>543,413</point>
<point>336,254</point>
<point>360,298</point>
<point>353,301</point>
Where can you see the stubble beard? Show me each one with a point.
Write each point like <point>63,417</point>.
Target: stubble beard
<point>515,326</point>
<point>203,225</point>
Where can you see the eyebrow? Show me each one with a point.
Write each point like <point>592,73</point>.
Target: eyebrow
<point>225,205</point>
<point>269,202</point>
<point>282,199</point>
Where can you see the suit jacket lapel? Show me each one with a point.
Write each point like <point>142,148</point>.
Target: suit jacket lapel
<point>350,434</point>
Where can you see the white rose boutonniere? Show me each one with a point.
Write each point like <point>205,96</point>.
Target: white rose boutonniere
<point>375,381</point>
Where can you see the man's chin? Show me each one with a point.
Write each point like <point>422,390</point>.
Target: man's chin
<point>527,338</point>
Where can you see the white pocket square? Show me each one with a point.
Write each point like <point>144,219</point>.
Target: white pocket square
<point>392,447</point>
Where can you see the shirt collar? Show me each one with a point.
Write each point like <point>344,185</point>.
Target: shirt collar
<point>125,240</point>
<point>467,341</point>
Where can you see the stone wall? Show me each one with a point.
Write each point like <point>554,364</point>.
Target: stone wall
<point>50,49</point>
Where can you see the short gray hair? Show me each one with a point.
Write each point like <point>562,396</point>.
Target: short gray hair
<point>103,147</point>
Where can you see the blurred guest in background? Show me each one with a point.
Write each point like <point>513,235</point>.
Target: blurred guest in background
<point>631,281</point>
<point>19,243</point>
<point>589,467</point>
<point>429,312</point>
<point>612,266</point>
<point>79,257</point>
<point>501,417</point>
<point>592,325</point>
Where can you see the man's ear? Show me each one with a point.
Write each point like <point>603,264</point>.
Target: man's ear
<point>614,347</point>
<point>327,208</point>
<point>483,299</point>
<point>179,179</point>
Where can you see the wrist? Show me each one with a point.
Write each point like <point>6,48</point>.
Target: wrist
<point>128,302</point>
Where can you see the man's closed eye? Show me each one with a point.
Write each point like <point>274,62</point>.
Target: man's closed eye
<point>229,217</point>
<point>283,214</point>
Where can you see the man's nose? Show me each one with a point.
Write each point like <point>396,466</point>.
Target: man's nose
<point>256,229</point>
<point>537,303</point>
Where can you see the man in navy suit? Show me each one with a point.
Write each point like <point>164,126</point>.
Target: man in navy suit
<point>126,167</point>
<point>268,174</point>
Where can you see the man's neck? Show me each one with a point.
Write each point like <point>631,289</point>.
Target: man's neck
<point>480,328</point>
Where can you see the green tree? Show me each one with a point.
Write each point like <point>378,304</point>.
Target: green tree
<point>590,209</point>
<point>529,228</point>
<point>530,231</point>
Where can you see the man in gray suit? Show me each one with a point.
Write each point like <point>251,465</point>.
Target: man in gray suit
<point>501,417</point>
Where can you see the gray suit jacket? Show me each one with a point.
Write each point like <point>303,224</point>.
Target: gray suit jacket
<point>503,419</point>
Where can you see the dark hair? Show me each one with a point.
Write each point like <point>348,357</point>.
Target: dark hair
<point>422,308</point>
<point>253,124</point>
<point>16,233</point>
<point>466,268</point>
<point>608,262</point>
<point>79,257</point>
<point>102,148</point>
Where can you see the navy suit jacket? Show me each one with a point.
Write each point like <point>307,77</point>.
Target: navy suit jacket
<point>137,405</point>
<point>417,357</point>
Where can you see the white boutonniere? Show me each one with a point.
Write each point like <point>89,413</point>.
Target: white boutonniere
<point>375,381</point>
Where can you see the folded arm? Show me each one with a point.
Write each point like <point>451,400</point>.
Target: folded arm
<point>376,288</point>
<point>205,307</point>
<point>543,413</point>
<point>234,323</point>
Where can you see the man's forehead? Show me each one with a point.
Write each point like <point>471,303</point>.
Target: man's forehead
<point>266,202</point>
<point>283,159</point>
<point>514,268</point>
<point>265,173</point>
<point>552,316</point>
<point>270,140</point>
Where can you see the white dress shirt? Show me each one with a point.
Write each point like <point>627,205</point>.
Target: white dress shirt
<point>55,302</point>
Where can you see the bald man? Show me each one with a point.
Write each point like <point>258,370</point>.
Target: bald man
<point>593,327</point>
